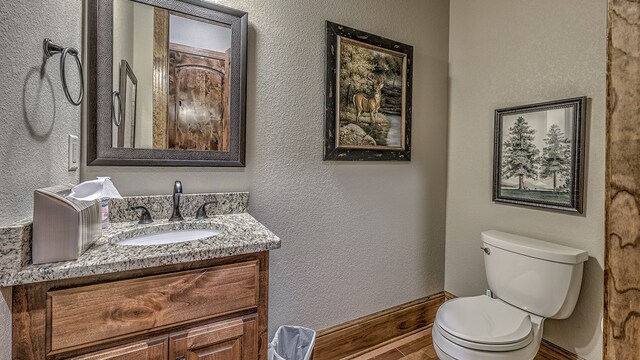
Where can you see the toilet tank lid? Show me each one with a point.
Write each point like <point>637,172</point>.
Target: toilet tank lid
<point>534,248</point>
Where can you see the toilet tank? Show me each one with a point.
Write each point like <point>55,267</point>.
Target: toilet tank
<point>539,277</point>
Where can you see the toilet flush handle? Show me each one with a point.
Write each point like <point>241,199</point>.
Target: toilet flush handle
<point>486,250</point>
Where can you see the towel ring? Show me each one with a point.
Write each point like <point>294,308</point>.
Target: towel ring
<point>116,114</point>
<point>51,49</point>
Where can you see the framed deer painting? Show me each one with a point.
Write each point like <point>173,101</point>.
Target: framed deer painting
<point>368,96</point>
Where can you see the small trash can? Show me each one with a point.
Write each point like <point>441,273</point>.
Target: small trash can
<point>292,343</point>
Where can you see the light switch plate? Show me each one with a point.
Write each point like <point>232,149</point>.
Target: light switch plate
<point>74,152</point>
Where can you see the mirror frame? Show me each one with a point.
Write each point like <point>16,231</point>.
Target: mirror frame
<point>100,86</point>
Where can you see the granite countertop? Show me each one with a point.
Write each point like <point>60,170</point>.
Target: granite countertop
<point>241,234</point>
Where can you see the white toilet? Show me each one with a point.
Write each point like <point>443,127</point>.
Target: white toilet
<point>530,280</point>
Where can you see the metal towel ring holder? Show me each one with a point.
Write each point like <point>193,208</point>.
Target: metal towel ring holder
<point>116,114</point>
<point>51,49</point>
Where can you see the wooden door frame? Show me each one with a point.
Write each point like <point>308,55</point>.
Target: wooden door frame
<point>622,179</point>
<point>160,81</point>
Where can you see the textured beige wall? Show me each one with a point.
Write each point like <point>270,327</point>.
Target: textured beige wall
<point>35,116</point>
<point>512,52</point>
<point>357,237</point>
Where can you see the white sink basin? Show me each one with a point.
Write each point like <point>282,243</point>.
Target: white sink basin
<point>170,237</point>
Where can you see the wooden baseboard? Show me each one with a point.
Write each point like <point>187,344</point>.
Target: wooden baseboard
<point>354,336</point>
<point>357,336</point>
<point>551,351</point>
<point>448,296</point>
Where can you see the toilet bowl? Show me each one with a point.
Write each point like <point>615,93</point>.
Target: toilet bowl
<point>481,328</point>
<point>530,280</point>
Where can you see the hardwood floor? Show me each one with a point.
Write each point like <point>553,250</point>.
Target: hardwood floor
<point>416,346</point>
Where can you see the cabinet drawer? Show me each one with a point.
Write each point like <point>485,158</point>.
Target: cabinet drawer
<point>100,313</point>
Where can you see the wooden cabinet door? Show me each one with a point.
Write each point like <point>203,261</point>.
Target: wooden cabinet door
<point>228,340</point>
<point>154,349</point>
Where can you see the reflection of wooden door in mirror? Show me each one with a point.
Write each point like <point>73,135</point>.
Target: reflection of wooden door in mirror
<point>198,116</point>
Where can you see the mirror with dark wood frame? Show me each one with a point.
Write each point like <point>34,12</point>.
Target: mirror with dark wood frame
<point>167,83</point>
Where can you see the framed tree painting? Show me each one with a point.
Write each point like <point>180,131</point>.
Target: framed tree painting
<point>368,96</point>
<point>539,155</point>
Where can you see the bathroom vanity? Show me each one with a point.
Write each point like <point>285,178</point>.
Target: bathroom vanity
<point>200,299</point>
<point>199,310</point>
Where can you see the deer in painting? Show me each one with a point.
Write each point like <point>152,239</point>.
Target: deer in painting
<point>371,104</point>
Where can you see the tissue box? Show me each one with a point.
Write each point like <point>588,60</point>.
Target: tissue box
<point>63,228</point>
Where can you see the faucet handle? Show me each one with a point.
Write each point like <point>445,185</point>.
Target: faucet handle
<point>177,187</point>
<point>202,210</point>
<point>145,215</point>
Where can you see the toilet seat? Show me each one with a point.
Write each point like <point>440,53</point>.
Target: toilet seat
<point>448,350</point>
<point>485,324</point>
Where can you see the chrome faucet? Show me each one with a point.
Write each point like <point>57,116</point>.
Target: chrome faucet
<point>177,191</point>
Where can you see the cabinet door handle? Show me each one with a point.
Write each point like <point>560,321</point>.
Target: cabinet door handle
<point>181,358</point>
